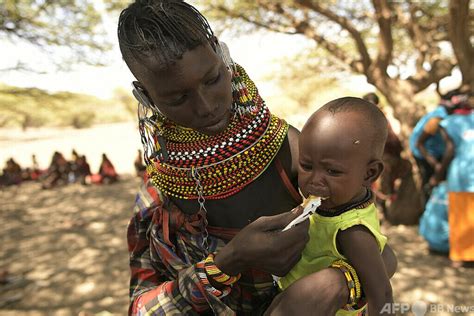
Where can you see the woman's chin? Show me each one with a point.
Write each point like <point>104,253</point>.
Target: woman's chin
<point>217,128</point>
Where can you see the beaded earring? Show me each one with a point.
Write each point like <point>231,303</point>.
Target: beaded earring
<point>242,100</point>
<point>150,121</point>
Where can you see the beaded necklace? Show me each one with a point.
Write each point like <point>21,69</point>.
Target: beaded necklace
<point>215,167</point>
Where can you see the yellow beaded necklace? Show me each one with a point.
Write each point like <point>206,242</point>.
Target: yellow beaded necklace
<point>215,167</point>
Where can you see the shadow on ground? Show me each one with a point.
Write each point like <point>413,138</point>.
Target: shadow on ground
<point>69,247</point>
<point>430,278</point>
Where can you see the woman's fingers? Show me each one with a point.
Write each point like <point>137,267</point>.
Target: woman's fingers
<point>277,222</point>
<point>263,245</point>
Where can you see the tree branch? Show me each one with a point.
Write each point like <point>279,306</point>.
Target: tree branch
<point>265,25</point>
<point>300,26</point>
<point>459,31</point>
<point>440,68</point>
<point>383,16</point>
<point>22,67</point>
<point>345,24</point>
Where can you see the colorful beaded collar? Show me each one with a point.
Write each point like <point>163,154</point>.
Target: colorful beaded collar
<point>215,167</point>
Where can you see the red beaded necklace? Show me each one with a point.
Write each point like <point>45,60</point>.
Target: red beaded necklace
<point>215,167</point>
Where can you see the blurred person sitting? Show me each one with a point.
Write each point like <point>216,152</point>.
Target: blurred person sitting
<point>83,170</point>
<point>426,142</point>
<point>107,173</point>
<point>57,173</point>
<point>36,172</point>
<point>12,173</point>
<point>73,175</point>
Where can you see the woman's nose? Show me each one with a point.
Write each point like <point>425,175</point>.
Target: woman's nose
<point>204,105</point>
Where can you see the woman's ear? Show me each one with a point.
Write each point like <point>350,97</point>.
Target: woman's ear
<point>374,170</point>
<point>141,94</point>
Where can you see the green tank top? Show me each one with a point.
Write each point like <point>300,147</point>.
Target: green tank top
<point>321,250</point>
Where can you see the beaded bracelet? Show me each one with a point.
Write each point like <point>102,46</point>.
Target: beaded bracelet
<point>216,274</point>
<point>204,280</point>
<point>352,280</point>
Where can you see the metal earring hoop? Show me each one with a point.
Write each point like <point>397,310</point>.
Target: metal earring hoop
<point>223,52</point>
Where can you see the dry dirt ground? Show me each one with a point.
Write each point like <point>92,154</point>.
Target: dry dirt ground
<point>67,247</point>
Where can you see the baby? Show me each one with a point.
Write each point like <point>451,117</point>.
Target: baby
<point>340,156</point>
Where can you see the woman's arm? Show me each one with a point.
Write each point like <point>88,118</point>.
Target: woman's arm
<point>440,172</point>
<point>260,245</point>
<point>430,129</point>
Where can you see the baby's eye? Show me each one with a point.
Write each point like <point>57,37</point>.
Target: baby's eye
<point>333,172</point>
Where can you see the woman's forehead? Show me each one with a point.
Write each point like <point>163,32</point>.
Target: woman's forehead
<point>193,65</point>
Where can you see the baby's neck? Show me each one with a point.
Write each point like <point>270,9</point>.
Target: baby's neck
<point>362,202</point>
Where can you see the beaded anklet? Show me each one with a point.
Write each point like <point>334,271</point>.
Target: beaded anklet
<point>216,274</point>
<point>352,281</point>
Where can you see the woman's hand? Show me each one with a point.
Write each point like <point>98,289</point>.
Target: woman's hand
<point>262,245</point>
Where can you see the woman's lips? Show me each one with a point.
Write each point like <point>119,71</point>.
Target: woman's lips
<point>217,125</point>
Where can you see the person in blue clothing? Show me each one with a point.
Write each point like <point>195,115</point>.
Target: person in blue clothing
<point>426,142</point>
<point>457,131</point>
<point>458,160</point>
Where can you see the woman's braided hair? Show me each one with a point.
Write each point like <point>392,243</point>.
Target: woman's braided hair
<point>170,27</point>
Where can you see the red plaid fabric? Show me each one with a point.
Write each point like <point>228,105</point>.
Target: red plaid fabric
<point>163,244</point>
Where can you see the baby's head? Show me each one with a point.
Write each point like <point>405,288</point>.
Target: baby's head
<point>340,151</point>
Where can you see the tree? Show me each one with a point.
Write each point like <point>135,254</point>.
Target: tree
<point>68,31</point>
<point>461,25</point>
<point>380,39</point>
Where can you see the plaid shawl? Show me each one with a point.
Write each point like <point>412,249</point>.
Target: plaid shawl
<point>163,244</point>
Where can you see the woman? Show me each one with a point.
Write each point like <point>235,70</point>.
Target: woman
<point>206,236</point>
<point>458,133</point>
<point>457,167</point>
<point>107,171</point>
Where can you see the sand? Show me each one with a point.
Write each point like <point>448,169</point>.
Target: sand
<point>68,244</point>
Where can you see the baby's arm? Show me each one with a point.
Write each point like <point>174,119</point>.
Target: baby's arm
<point>359,246</point>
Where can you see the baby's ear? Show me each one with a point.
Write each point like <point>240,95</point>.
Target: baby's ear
<point>374,170</point>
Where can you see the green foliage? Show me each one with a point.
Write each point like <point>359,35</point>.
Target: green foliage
<point>31,107</point>
<point>73,26</point>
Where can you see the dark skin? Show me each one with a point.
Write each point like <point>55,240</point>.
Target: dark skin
<point>440,172</point>
<point>434,163</point>
<point>195,92</point>
<point>339,160</point>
